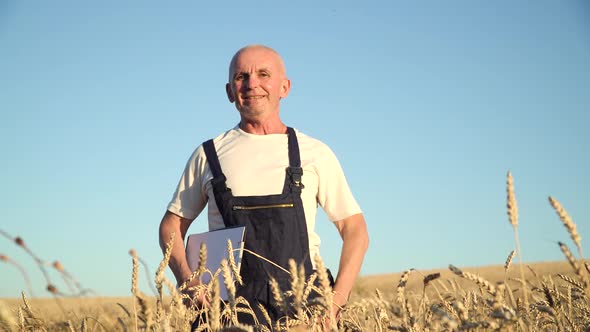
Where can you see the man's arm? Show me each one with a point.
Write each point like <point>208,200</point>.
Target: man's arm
<point>355,237</point>
<point>178,263</point>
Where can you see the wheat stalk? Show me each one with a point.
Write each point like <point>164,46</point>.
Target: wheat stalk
<point>264,314</point>
<point>163,264</point>
<point>69,279</point>
<point>27,305</point>
<point>512,210</point>
<point>40,263</point>
<point>176,306</point>
<point>22,271</point>
<point>326,291</point>
<point>309,285</point>
<point>277,294</point>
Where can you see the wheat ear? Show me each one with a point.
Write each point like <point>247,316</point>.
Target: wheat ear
<point>568,223</point>
<point>228,280</point>
<point>297,286</point>
<point>134,288</point>
<point>509,260</point>
<point>326,290</point>
<point>474,277</point>
<point>162,267</point>
<point>232,262</point>
<point>574,263</point>
<point>214,306</point>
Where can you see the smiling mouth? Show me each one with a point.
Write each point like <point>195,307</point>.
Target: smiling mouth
<point>253,97</point>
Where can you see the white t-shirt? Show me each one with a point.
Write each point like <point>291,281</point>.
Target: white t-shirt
<point>254,165</point>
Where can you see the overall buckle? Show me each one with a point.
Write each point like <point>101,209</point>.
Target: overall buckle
<point>295,174</point>
<point>219,184</point>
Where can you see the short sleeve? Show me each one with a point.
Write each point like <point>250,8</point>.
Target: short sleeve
<point>334,194</point>
<point>190,197</point>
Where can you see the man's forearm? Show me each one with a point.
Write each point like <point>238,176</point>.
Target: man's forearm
<point>355,243</point>
<point>172,223</point>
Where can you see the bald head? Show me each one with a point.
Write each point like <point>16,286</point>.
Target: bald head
<point>254,48</point>
<point>257,83</point>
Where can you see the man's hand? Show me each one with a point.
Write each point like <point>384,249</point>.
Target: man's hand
<point>335,312</point>
<point>339,301</point>
<point>196,295</point>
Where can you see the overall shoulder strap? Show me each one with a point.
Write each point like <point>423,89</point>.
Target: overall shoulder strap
<point>212,159</point>
<point>294,171</point>
<point>294,158</point>
<point>220,189</point>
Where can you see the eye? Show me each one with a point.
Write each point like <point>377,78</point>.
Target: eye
<point>239,77</point>
<point>263,74</point>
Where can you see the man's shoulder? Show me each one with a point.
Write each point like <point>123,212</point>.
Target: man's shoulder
<point>218,140</point>
<point>314,148</point>
<point>304,138</point>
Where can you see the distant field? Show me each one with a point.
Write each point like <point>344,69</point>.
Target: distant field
<point>387,283</point>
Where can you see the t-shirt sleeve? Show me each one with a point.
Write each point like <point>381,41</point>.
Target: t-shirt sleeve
<point>190,196</point>
<point>334,194</point>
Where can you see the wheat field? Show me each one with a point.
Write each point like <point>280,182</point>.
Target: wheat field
<point>546,296</point>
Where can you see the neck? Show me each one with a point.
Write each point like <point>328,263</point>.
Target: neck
<point>263,127</point>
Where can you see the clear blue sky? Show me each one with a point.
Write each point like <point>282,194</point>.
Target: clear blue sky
<point>426,104</point>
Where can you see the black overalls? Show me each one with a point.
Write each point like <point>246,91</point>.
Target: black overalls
<point>275,229</point>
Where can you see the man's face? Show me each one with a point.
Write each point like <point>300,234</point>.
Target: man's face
<point>257,82</point>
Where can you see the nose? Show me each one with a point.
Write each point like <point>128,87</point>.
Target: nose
<point>252,82</point>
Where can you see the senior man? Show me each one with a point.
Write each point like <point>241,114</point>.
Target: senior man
<point>280,175</point>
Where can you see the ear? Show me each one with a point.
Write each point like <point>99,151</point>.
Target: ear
<point>229,92</point>
<point>285,88</point>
